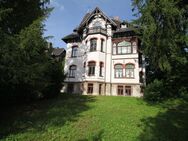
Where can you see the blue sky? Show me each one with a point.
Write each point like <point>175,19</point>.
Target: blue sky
<point>67,14</point>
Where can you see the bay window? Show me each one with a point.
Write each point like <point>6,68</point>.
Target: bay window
<point>74,51</point>
<point>93,45</point>
<point>91,68</point>
<point>72,71</point>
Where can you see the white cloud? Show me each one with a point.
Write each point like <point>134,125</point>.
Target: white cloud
<point>57,5</point>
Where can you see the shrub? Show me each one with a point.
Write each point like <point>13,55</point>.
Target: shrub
<point>155,91</point>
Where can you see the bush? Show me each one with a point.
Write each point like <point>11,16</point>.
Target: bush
<point>155,91</point>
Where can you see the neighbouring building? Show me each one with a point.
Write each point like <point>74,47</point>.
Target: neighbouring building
<point>58,53</point>
<point>103,58</point>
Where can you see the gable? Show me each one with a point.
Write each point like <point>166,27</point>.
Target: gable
<point>96,12</point>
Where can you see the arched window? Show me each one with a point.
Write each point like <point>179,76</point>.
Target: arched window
<point>74,51</point>
<point>124,48</point>
<point>101,69</point>
<point>91,66</point>
<point>129,71</point>
<point>72,71</point>
<point>118,71</point>
<point>93,44</point>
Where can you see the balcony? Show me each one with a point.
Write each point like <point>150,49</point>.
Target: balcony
<point>96,30</point>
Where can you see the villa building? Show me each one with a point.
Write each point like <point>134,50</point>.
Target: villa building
<point>103,57</point>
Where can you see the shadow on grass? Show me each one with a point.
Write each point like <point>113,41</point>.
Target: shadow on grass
<point>41,115</point>
<point>171,125</point>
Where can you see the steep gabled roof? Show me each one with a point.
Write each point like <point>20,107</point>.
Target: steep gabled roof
<point>85,18</point>
<point>88,16</point>
<point>58,51</point>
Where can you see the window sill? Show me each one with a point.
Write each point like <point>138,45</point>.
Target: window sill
<point>125,54</point>
<point>124,77</point>
<point>91,75</point>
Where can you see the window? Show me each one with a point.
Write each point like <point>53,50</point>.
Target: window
<point>91,66</point>
<point>127,90</point>
<point>74,51</point>
<point>123,48</point>
<point>101,69</point>
<point>93,45</point>
<point>72,70</point>
<point>120,90</point>
<point>102,45</point>
<point>90,88</point>
<point>100,89</point>
<point>118,71</point>
<point>70,88</point>
<point>129,71</point>
<point>141,74</point>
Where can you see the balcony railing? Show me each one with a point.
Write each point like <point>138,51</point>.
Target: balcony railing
<point>95,30</point>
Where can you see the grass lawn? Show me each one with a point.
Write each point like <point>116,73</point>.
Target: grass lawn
<point>100,118</point>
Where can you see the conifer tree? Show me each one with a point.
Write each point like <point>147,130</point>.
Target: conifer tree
<point>163,29</point>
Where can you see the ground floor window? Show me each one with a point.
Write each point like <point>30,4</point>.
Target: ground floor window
<point>127,90</point>
<point>123,90</point>
<point>90,88</point>
<point>100,89</point>
<point>120,90</point>
<point>70,88</point>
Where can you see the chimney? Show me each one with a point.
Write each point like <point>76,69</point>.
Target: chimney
<point>49,45</point>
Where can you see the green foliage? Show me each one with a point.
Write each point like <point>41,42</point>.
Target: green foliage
<point>27,68</point>
<point>163,30</point>
<point>155,91</point>
<point>23,13</point>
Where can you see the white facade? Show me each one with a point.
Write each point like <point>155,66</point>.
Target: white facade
<point>103,59</point>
